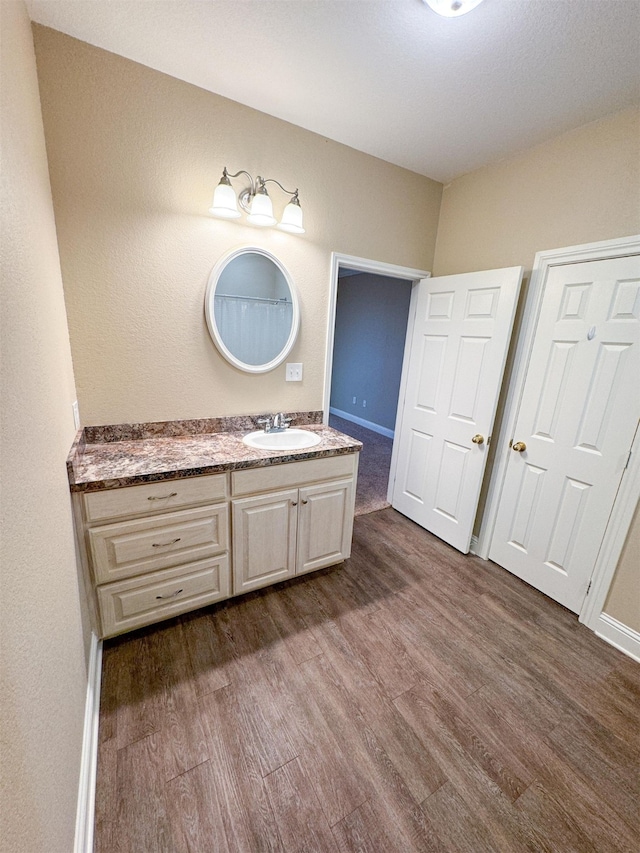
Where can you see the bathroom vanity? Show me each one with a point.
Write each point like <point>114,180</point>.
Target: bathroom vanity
<point>176,515</point>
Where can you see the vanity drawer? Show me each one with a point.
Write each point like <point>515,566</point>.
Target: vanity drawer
<point>154,497</point>
<point>131,548</point>
<point>252,480</point>
<point>132,603</point>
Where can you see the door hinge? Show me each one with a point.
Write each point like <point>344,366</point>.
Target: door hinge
<point>626,464</point>
<point>588,588</point>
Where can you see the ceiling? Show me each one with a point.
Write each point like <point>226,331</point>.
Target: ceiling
<point>439,96</point>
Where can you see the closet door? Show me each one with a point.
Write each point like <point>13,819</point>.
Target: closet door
<point>576,422</point>
<point>459,341</point>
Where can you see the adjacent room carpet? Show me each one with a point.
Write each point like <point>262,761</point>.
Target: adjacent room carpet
<point>373,468</point>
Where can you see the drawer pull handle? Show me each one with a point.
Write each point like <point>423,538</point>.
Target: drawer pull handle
<point>173,594</point>
<point>162,497</point>
<point>165,544</point>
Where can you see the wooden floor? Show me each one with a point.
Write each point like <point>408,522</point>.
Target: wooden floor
<point>411,700</point>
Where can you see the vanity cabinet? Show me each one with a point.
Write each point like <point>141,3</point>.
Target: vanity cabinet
<point>283,533</point>
<point>155,550</point>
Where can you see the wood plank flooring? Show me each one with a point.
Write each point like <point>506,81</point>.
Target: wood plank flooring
<point>412,699</point>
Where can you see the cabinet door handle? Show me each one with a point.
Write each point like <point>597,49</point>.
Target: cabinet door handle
<point>305,501</point>
<point>165,544</point>
<point>173,594</point>
<point>162,497</point>
<point>294,503</point>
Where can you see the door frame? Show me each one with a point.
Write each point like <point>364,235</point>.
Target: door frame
<point>375,268</point>
<point>629,491</point>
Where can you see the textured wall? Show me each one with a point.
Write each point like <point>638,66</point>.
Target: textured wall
<point>42,672</point>
<point>623,601</point>
<point>134,157</point>
<point>371,327</point>
<point>581,187</point>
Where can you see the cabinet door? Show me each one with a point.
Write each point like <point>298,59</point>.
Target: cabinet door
<point>264,539</point>
<point>325,525</point>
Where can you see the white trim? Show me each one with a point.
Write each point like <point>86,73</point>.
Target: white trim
<point>618,635</point>
<point>362,265</point>
<point>543,260</point>
<point>629,492</point>
<point>473,546</point>
<point>614,538</point>
<point>347,416</point>
<point>85,812</point>
<point>404,378</point>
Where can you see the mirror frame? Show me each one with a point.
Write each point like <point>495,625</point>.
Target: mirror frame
<point>212,283</point>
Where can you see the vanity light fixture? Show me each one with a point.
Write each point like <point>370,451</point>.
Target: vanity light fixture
<point>452,8</point>
<point>256,203</point>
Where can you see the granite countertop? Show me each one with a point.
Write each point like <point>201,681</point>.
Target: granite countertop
<point>130,454</point>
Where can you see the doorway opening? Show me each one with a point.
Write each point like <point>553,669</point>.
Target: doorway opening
<point>369,317</point>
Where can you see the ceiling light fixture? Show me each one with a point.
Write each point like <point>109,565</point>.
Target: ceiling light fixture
<point>452,8</point>
<point>256,203</point>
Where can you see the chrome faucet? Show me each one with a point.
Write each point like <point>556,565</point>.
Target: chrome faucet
<point>281,421</point>
<point>271,423</point>
<point>266,422</point>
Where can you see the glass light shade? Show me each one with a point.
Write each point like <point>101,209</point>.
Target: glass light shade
<point>261,210</point>
<point>292,219</point>
<point>224,204</point>
<point>452,8</point>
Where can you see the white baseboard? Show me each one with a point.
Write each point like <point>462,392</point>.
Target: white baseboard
<point>347,416</point>
<point>473,547</point>
<point>88,765</point>
<point>619,635</point>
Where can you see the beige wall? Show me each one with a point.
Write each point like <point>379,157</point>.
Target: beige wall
<point>623,602</point>
<point>42,667</point>
<point>581,187</point>
<point>134,157</point>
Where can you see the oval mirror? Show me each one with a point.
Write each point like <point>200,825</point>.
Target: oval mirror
<point>252,309</point>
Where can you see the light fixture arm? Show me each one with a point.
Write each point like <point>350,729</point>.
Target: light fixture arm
<point>245,196</point>
<point>226,175</point>
<point>293,193</point>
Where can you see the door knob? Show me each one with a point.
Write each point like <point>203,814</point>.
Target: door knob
<point>478,439</point>
<point>519,446</point>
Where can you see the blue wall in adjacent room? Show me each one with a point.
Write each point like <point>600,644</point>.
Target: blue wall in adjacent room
<point>371,326</point>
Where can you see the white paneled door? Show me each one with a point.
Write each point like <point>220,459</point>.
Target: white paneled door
<point>576,422</point>
<point>456,359</point>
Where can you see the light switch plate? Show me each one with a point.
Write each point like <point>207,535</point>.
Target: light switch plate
<point>294,373</point>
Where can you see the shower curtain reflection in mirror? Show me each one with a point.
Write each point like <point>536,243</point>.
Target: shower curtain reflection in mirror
<point>252,309</point>
<point>254,328</point>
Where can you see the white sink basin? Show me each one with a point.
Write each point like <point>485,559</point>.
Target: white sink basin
<point>288,439</point>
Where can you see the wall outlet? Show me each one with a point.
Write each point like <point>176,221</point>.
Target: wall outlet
<point>355,400</point>
<point>294,373</point>
<point>364,404</point>
<point>76,414</point>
